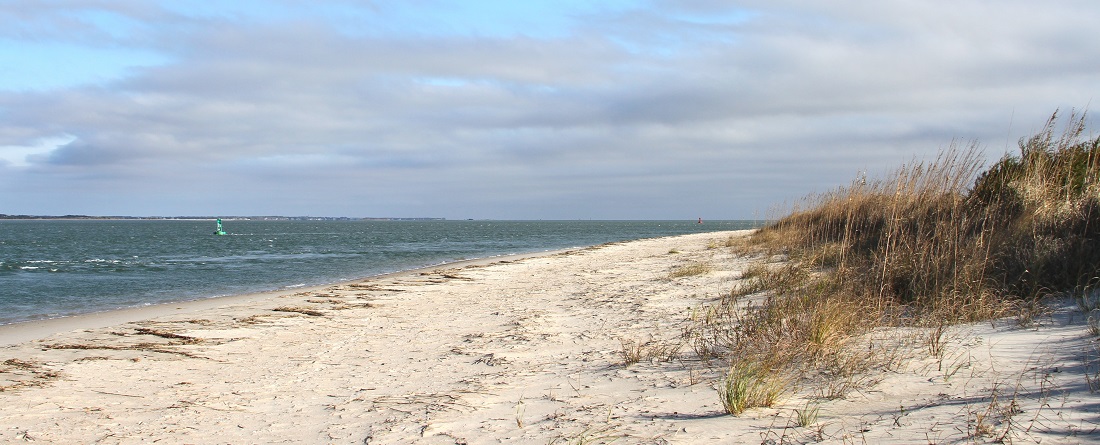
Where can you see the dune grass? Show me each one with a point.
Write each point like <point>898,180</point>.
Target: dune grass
<point>689,270</point>
<point>945,238</point>
<point>750,384</point>
<point>934,243</point>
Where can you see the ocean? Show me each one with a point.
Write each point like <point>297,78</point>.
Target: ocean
<point>57,268</point>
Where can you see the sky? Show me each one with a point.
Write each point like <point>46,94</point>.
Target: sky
<point>540,109</point>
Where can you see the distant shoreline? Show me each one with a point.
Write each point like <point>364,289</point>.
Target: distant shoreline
<point>210,218</point>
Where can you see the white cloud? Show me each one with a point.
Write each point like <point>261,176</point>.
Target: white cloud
<point>649,111</point>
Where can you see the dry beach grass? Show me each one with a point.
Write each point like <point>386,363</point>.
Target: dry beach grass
<point>918,251</point>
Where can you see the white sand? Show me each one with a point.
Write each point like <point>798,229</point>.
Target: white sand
<point>524,351</point>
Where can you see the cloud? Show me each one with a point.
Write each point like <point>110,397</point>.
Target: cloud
<point>644,110</point>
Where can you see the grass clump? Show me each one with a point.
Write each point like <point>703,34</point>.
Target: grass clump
<point>633,352</point>
<point>807,415</point>
<point>690,270</point>
<point>750,384</point>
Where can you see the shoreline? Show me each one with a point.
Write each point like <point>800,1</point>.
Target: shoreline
<point>46,285</point>
<point>23,331</point>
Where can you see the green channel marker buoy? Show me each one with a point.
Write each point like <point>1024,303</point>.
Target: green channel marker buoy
<point>219,231</point>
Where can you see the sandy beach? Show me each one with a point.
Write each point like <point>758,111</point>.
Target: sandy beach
<point>517,350</point>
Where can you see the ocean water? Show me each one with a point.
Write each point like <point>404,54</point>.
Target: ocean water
<point>56,268</point>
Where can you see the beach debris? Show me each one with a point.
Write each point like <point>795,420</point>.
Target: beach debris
<point>17,373</point>
<point>451,274</point>
<point>373,287</point>
<point>490,359</point>
<point>166,345</point>
<point>300,310</point>
<point>252,319</point>
<point>148,347</point>
<point>184,339</point>
<point>20,364</point>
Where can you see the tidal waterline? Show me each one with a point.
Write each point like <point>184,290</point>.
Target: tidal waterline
<point>56,268</point>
